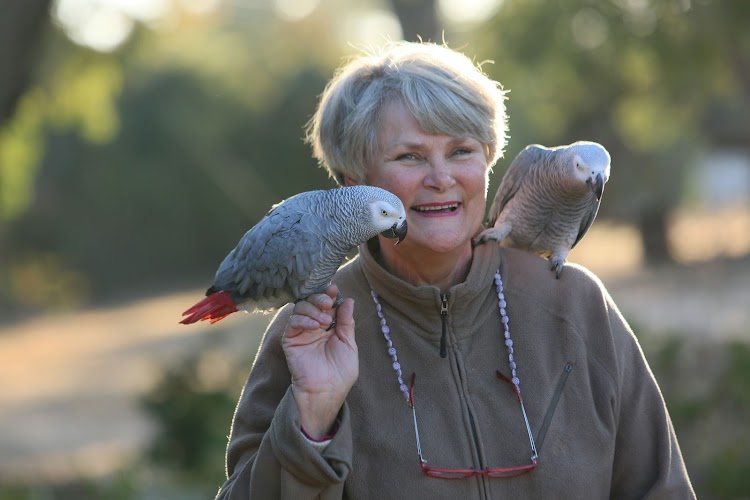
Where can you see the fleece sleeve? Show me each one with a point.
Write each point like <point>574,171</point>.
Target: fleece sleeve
<point>648,463</point>
<point>268,456</point>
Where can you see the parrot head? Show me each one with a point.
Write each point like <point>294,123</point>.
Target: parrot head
<point>591,165</point>
<point>390,219</point>
<point>384,210</point>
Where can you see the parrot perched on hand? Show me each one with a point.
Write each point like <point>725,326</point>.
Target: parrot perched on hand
<point>294,251</point>
<point>548,199</point>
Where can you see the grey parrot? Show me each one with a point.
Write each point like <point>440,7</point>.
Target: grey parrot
<point>548,199</point>
<point>294,251</point>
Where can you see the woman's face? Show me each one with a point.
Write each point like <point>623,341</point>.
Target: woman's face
<point>442,181</point>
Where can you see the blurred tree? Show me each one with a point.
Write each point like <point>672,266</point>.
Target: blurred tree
<point>145,166</point>
<point>640,77</point>
<point>418,19</point>
<point>22,24</point>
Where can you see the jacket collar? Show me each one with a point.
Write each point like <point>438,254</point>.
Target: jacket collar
<point>422,305</point>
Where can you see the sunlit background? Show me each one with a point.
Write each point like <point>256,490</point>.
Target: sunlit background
<point>139,139</point>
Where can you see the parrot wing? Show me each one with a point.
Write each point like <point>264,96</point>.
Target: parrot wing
<point>279,256</point>
<point>514,178</point>
<point>276,257</point>
<point>587,220</point>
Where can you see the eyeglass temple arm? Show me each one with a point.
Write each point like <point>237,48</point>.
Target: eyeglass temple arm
<point>414,415</point>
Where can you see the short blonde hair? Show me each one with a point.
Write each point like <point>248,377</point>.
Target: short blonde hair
<point>445,91</point>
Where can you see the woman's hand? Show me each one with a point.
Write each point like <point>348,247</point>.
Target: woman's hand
<point>324,364</point>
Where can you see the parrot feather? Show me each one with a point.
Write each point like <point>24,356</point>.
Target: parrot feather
<point>548,199</point>
<point>295,250</point>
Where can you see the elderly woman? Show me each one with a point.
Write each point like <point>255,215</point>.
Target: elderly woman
<point>451,371</point>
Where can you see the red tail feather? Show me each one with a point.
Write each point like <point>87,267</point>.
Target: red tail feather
<point>213,308</point>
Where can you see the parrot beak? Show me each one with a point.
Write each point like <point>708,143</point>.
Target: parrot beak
<point>597,186</point>
<point>396,231</point>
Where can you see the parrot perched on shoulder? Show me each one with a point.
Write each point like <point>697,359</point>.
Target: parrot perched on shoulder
<point>548,199</point>
<point>295,250</point>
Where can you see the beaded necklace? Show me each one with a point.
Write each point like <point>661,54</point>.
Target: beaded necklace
<point>504,318</point>
<point>508,344</point>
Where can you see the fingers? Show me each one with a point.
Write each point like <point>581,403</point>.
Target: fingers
<point>306,316</point>
<point>333,292</point>
<point>317,311</point>
<point>345,322</point>
<point>345,314</point>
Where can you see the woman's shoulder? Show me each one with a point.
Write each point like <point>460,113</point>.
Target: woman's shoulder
<point>531,275</point>
<point>577,299</point>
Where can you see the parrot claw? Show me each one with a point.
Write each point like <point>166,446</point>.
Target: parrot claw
<point>339,300</point>
<point>486,236</point>
<point>557,266</point>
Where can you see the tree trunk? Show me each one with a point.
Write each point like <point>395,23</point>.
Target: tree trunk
<point>653,225</point>
<point>21,24</point>
<point>418,19</point>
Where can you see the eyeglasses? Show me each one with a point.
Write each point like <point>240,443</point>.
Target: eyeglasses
<point>500,472</point>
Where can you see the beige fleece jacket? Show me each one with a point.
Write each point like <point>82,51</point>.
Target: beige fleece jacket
<point>599,420</point>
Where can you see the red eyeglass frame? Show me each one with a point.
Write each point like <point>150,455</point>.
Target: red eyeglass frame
<point>496,472</point>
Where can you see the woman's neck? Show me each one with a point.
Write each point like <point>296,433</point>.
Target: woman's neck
<point>442,270</point>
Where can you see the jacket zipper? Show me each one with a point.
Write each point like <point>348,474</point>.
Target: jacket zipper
<point>444,320</point>
<point>553,405</point>
<point>444,353</point>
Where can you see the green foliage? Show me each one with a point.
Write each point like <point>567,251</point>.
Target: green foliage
<point>193,424</point>
<point>20,153</point>
<point>737,377</point>
<point>728,475</point>
<point>191,407</point>
<point>122,486</point>
<point>706,390</point>
<point>153,178</point>
<point>81,97</point>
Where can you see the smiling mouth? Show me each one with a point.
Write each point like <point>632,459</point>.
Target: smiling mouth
<point>436,208</point>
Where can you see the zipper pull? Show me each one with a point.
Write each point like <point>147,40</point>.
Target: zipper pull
<point>444,320</point>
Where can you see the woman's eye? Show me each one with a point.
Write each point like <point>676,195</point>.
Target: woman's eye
<point>462,151</point>
<point>406,157</point>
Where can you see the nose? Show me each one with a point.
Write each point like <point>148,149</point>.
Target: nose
<point>440,176</point>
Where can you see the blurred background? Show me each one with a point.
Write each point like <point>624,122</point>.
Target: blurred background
<point>139,139</point>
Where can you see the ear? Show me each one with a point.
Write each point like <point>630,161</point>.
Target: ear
<point>348,181</point>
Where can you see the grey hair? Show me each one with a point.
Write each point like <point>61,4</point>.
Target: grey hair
<point>445,91</point>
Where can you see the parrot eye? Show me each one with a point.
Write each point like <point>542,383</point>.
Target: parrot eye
<point>383,212</point>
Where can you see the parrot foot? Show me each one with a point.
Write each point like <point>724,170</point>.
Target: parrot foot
<point>491,234</point>
<point>557,266</point>
<point>336,303</point>
<point>339,299</point>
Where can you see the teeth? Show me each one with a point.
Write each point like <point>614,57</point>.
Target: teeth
<point>435,208</point>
